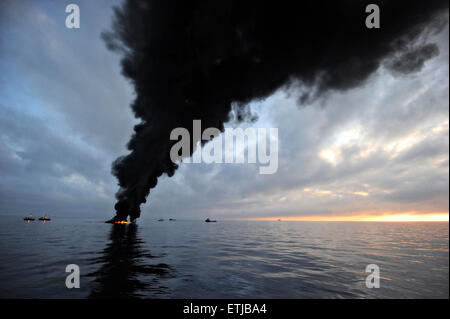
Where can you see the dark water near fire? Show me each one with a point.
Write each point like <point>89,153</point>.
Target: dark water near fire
<point>234,259</point>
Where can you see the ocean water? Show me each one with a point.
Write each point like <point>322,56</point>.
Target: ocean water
<point>227,259</point>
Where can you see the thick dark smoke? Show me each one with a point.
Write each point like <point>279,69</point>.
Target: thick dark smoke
<point>413,59</point>
<point>192,59</point>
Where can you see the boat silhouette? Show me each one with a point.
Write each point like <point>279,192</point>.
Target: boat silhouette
<point>45,218</point>
<point>207,220</point>
<point>29,218</point>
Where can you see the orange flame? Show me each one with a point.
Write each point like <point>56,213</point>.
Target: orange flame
<point>122,222</point>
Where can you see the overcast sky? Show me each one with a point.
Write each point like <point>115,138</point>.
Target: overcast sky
<point>65,116</point>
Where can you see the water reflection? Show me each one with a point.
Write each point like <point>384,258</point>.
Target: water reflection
<point>125,271</point>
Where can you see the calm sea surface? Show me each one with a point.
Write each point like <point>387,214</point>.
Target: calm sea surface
<point>227,259</point>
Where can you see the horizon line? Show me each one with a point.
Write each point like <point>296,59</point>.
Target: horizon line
<point>401,217</point>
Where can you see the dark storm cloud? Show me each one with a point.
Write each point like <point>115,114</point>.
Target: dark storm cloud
<point>67,74</point>
<point>192,59</point>
<point>42,170</point>
<point>58,88</point>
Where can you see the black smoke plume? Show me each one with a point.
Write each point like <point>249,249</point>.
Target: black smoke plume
<point>192,59</point>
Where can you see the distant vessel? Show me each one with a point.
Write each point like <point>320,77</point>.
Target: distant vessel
<point>172,219</point>
<point>207,220</point>
<point>279,220</point>
<point>45,218</point>
<point>161,219</point>
<point>29,218</point>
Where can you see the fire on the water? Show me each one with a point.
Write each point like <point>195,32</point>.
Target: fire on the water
<point>123,222</point>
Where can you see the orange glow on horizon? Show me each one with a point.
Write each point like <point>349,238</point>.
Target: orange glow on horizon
<point>401,217</point>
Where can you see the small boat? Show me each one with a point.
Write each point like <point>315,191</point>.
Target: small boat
<point>29,218</point>
<point>279,220</point>
<point>207,220</point>
<point>45,218</point>
<point>161,219</point>
<point>172,219</point>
